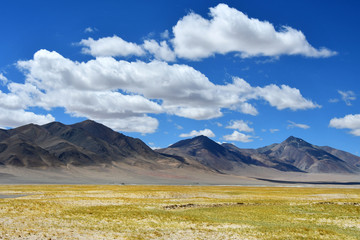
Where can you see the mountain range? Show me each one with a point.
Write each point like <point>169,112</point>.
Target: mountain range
<point>56,145</point>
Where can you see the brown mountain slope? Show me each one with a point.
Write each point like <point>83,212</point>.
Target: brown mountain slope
<point>347,157</point>
<point>83,144</point>
<point>92,144</point>
<point>307,157</point>
<point>262,159</point>
<point>209,153</point>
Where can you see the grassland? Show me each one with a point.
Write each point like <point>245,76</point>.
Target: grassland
<point>178,212</point>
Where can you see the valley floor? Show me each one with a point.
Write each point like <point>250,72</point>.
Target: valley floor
<point>177,212</point>
<point>125,174</point>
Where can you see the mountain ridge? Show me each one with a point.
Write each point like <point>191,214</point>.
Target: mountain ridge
<point>57,145</point>
<point>89,143</point>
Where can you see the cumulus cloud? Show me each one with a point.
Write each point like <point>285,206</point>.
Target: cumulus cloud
<point>110,46</point>
<point>247,108</point>
<point>240,125</point>
<point>285,97</point>
<point>230,30</point>
<point>239,137</point>
<point>117,47</point>
<point>297,125</point>
<point>194,133</point>
<point>142,124</point>
<point>351,121</point>
<point>183,90</point>
<point>106,89</point>
<point>10,118</point>
<point>347,96</point>
<point>160,51</point>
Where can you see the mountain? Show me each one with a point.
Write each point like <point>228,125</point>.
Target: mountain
<point>209,153</point>
<point>82,144</point>
<point>292,155</point>
<point>295,154</point>
<point>307,157</point>
<point>349,158</point>
<point>263,159</point>
<point>90,144</point>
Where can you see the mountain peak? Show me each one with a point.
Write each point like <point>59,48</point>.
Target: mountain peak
<point>298,142</point>
<point>198,140</point>
<point>86,123</point>
<point>292,138</point>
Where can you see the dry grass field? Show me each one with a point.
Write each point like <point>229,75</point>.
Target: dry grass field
<point>178,212</point>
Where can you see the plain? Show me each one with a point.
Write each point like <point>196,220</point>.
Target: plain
<point>177,212</point>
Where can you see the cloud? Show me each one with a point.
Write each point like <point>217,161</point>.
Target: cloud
<point>333,100</point>
<point>247,108</point>
<point>90,30</point>
<point>117,47</point>
<point>10,118</point>
<point>110,46</point>
<point>105,89</point>
<point>297,125</point>
<point>3,79</point>
<point>178,126</point>
<point>273,130</point>
<point>194,133</point>
<point>285,97</point>
<point>160,51</point>
<point>141,124</point>
<point>347,96</point>
<point>351,121</point>
<point>165,34</point>
<point>239,137</point>
<point>240,125</point>
<point>230,30</point>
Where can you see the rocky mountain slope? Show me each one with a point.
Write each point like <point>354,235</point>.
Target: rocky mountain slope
<point>82,144</point>
<point>302,156</point>
<point>56,145</point>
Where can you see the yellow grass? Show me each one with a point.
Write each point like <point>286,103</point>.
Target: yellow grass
<point>178,212</point>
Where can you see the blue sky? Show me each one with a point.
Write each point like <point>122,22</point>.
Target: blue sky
<point>247,72</point>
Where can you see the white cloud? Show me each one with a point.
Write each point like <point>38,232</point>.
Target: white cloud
<point>230,30</point>
<point>160,51</point>
<point>285,97</point>
<point>3,79</point>
<point>247,108</point>
<point>90,30</point>
<point>351,121</point>
<point>240,125</point>
<point>297,125</point>
<point>347,96</point>
<point>106,89</point>
<point>333,100</point>
<point>10,118</point>
<point>194,133</point>
<point>239,137</point>
<point>142,124</point>
<point>165,34</point>
<point>110,46</point>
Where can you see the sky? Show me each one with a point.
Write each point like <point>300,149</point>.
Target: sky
<point>251,73</point>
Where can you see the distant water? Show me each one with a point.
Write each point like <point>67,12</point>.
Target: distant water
<point>315,182</point>
<point>11,196</point>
